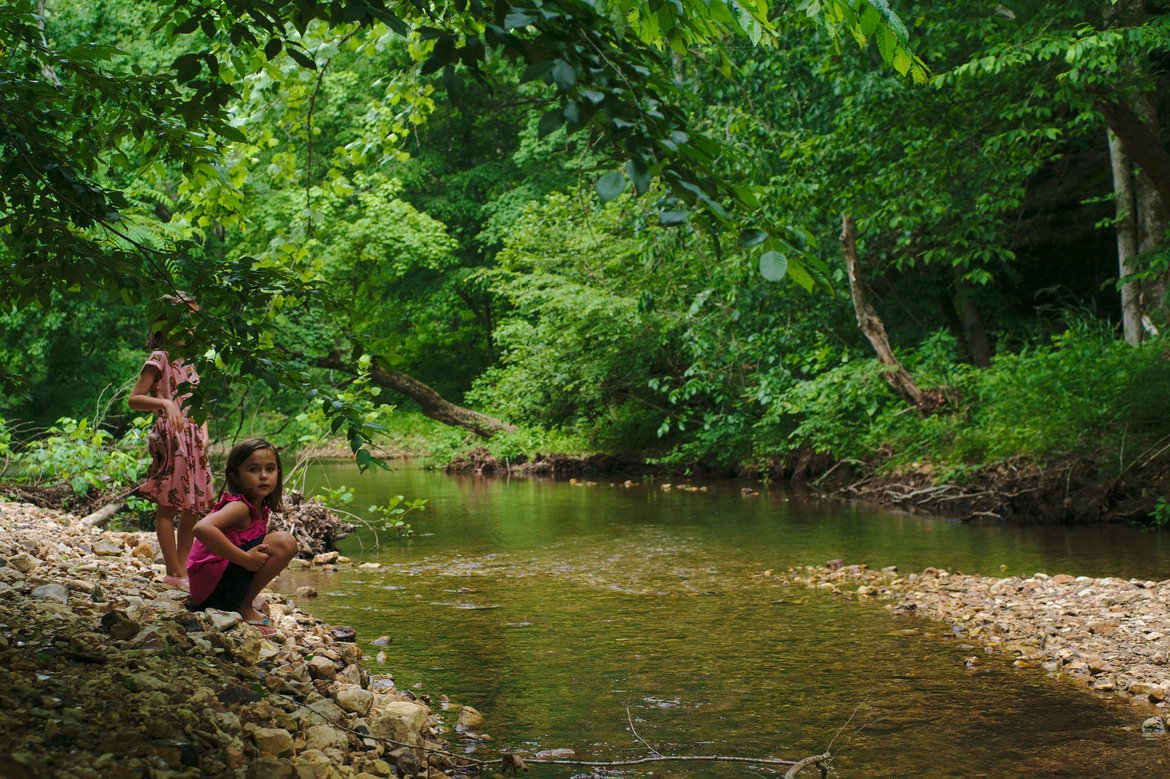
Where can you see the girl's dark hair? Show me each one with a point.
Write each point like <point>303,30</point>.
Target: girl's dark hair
<point>242,451</point>
<point>157,338</point>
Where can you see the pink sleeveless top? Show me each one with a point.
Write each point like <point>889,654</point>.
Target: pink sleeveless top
<point>204,567</point>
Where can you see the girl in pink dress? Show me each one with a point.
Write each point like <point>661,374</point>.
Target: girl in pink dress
<point>179,477</point>
<point>234,555</point>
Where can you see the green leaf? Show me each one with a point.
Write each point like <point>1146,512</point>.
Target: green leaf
<point>186,26</point>
<point>610,186</point>
<point>301,59</point>
<point>773,265</point>
<point>550,122</point>
<point>273,47</point>
<point>563,75</point>
<point>751,238</point>
<point>519,17</point>
<point>639,173</point>
<point>187,65</point>
<point>672,218</point>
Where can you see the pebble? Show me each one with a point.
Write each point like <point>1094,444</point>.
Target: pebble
<point>1098,631</point>
<point>128,683</point>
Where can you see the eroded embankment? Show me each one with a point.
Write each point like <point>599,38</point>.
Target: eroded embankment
<point>1111,634</point>
<point>104,673</point>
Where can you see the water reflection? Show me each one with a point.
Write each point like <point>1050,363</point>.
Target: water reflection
<point>567,613</point>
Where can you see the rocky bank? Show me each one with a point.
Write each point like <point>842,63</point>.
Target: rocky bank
<point>104,673</point>
<point>1112,635</point>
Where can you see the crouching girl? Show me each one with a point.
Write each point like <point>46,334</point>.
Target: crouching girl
<point>234,556</point>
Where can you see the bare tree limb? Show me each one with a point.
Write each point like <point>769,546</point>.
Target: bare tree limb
<point>430,402</point>
<point>926,401</point>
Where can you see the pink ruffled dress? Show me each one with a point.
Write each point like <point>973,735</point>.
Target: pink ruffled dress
<point>179,476</point>
<point>205,568</point>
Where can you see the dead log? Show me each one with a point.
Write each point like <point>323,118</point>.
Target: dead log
<point>102,516</point>
<point>926,401</point>
<point>431,403</point>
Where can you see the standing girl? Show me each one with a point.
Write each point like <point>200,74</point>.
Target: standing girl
<point>234,555</point>
<point>179,477</point>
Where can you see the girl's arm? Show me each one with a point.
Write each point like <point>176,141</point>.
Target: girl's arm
<point>141,400</point>
<point>210,529</point>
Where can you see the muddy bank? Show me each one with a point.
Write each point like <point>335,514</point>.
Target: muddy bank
<point>104,673</point>
<point>1071,490</point>
<point>482,462</point>
<point>1111,635</point>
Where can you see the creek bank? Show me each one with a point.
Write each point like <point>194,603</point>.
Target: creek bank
<point>1068,490</point>
<point>1111,635</point>
<point>482,462</point>
<point>104,673</point>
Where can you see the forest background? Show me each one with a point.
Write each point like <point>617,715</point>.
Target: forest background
<point>642,256</point>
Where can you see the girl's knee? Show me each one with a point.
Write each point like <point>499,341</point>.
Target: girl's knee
<point>281,542</point>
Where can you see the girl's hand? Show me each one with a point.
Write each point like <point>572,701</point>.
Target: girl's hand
<point>256,557</point>
<point>174,415</point>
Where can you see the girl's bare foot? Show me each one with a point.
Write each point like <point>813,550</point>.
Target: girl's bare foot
<point>177,581</point>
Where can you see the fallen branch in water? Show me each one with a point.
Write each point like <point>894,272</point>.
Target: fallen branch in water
<point>795,766</point>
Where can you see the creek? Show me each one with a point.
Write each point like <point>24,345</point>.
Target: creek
<point>590,617</point>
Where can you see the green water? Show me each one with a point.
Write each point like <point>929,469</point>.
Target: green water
<point>566,614</point>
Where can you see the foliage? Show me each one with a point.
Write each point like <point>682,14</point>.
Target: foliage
<point>86,456</point>
<point>392,514</point>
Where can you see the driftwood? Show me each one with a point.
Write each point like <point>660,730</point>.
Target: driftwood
<point>102,516</point>
<point>926,401</point>
<point>430,402</point>
<point>315,526</point>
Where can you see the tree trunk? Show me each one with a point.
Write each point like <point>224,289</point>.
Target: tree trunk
<point>433,405</point>
<point>1143,196</point>
<point>1140,142</point>
<point>974,330</point>
<point>895,374</point>
<point>1131,307</point>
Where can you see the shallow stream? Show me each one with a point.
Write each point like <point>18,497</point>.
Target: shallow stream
<point>614,619</point>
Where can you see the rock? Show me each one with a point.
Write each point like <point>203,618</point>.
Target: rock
<point>297,564</point>
<point>313,764</point>
<point>107,548</point>
<point>325,737</point>
<point>401,721</point>
<point>223,620</point>
<point>1142,689</point>
<point>344,633</point>
<point>327,710</point>
<point>306,591</point>
<point>326,558</point>
<point>269,767</point>
<point>555,754</point>
<point>321,667</point>
<point>369,566</point>
<point>354,699</point>
<point>53,592</point>
<point>272,741</point>
<point>144,682</point>
<point>1154,725</point>
<point>118,625</point>
<point>382,641</point>
<point>343,560</point>
<point>470,718</point>
<point>144,551</point>
<point>23,562</point>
